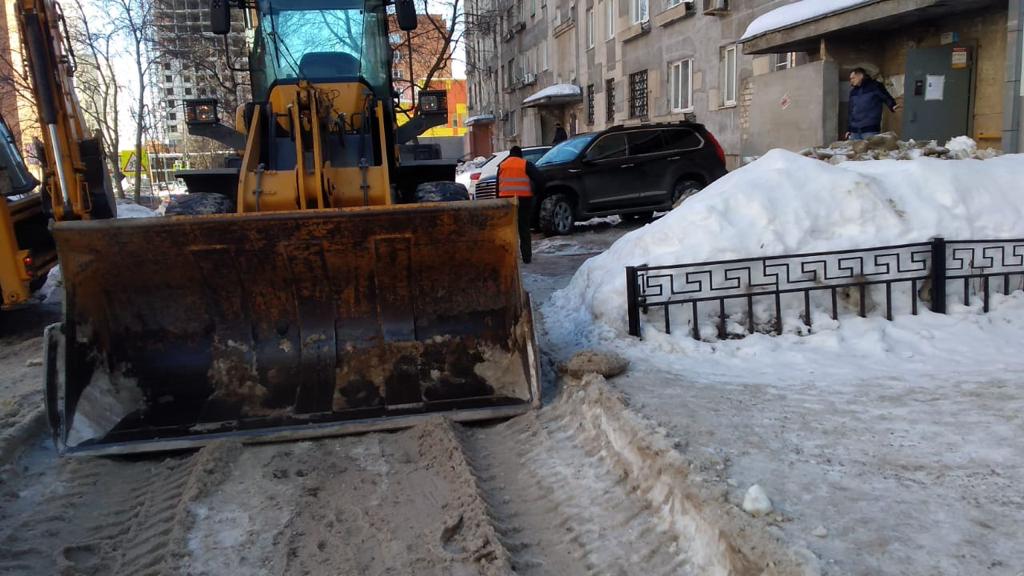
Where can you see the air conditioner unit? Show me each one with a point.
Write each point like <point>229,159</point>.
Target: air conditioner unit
<point>530,79</point>
<point>715,6</point>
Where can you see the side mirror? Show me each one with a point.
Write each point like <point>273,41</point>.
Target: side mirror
<point>405,12</point>
<point>220,17</point>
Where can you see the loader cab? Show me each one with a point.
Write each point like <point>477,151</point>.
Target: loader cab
<point>322,42</point>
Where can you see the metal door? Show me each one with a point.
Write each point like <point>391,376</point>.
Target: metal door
<point>937,93</point>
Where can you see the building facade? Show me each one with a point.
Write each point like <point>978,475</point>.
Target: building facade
<point>591,64</point>
<point>191,62</point>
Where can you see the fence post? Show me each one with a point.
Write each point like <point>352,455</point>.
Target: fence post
<point>938,275</point>
<point>632,303</point>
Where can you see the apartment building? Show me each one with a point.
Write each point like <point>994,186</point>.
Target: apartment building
<point>782,82</point>
<point>191,62</point>
<point>590,64</point>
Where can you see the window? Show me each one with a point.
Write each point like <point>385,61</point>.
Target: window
<point>609,100</point>
<point>607,148</point>
<point>167,65</point>
<point>645,142</point>
<point>168,78</point>
<point>533,8</point>
<point>188,91</point>
<point>566,151</point>
<point>511,127</point>
<point>590,104</point>
<point>590,27</point>
<point>169,91</point>
<point>609,19</point>
<point>638,94</point>
<point>544,55</point>
<point>396,56</point>
<point>681,139</point>
<point>172,115</point>
<point>729,76</point>
<point>521,10</point>
<point>680,85</point>
<point>172,128</point>
<point>783,61</point>
<point>170,103</point>
<point>674,3</point>
<point>639,11</point>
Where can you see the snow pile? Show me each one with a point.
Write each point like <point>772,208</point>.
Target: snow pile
<point>470,165</point>
<point>887,146</point>
<point>785,203</point>
<point>798,13</point>
<point>127,209</point>
<point>53,289</point>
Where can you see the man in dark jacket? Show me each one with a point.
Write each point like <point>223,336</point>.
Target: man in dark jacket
<point>866,100</point>
<point>560,134</point>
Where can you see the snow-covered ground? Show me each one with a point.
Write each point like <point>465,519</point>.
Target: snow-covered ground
<point>885,447</point>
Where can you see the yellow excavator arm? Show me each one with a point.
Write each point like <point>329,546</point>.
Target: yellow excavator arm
<point>75,175</point>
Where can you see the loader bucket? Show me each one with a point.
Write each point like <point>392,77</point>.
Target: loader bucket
<point>276,326</point>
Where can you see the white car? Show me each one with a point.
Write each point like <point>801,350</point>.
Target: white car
<point>469,178</point>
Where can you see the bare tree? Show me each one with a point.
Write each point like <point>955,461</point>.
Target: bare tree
<point>133,20</point>
<point>428,52</point>
<point>98,87</point>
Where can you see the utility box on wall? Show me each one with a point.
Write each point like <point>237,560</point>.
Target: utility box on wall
<point>937,93</point>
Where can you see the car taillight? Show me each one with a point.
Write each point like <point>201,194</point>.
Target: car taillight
<point>474,176</point>
<point>27,260</point>
<point>718,147</point>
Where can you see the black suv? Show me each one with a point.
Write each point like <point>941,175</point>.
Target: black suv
<point>632,171</point>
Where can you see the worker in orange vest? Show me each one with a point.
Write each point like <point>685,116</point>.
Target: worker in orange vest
<point>516,179</point>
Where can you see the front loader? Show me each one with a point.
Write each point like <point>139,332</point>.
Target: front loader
<point>311,301</point>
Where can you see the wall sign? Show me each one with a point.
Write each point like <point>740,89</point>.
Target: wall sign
<point>935,87</point>
<point>959,58</point>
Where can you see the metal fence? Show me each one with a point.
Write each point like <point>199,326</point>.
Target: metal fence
<point>925,267</point>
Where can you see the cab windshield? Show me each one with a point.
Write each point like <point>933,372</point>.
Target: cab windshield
<point>566,151</point>
<point>319,40</point>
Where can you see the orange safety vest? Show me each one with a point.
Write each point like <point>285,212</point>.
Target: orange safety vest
<point>512,178</point>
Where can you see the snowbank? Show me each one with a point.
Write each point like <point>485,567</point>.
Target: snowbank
<point>785,203</point>
<point>797,13</point>
<point>127,209</point>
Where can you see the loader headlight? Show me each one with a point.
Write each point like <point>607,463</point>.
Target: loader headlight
<point>433,102</point>
<point>429,103</point>
<point>201,111</point>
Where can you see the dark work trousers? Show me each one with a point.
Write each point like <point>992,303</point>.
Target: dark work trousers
<point>525,212</point>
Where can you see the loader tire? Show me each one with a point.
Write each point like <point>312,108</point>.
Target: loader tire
<point>199,203</point>
<point>441,191</point>
<point>556,215</point>
<point>101,193</point>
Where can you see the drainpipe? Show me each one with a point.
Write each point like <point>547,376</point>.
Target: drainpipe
<point>1012,124</point>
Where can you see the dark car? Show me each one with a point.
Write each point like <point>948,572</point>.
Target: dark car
<point>631,171</point>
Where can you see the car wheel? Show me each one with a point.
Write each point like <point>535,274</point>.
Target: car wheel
<point>199,204</point>
<point>683,190</point>
<point>556,216</point>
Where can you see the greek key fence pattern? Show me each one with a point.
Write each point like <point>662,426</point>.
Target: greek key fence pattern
<point>925,267</point>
